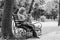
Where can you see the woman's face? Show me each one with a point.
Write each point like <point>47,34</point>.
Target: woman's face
<point>21,11</point>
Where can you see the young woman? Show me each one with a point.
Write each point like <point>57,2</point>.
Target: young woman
<point>24,21</point>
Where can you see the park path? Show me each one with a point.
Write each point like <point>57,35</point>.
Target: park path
<point>50,36</point>
<point>50,31</point>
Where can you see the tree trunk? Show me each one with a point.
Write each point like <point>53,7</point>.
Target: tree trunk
<point>31,7</point>
<point>7,19</point>
<point>59,16</point>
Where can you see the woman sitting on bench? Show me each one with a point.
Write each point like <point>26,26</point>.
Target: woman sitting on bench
<point>23,23</point>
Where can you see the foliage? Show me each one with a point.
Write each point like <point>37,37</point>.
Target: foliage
<point>51,5</point>
<point>37,13</point>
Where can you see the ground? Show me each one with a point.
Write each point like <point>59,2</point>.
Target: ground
<point>49,36</point>
<point>50,31</point>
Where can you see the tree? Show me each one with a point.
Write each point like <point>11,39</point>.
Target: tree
<point>30,9</point>
<point>7,19</point>
<point>51,5</point>
<point>37,13</point>
<point>59,16</point>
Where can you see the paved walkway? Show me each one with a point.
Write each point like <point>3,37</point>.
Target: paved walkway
<point>50,31</point>
<point>49,36</point>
